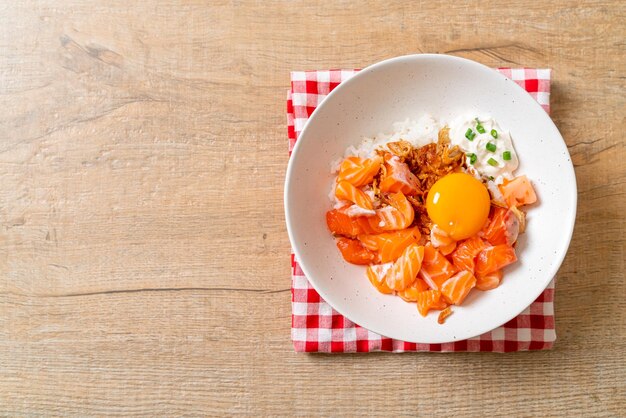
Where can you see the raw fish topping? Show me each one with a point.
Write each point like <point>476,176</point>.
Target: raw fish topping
<point>427,218</point>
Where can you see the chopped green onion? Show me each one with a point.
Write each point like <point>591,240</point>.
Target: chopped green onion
<point>469,134</point>
<point>492,162</point>
<point>491,178</point>
<point>494,133</point>
<point>472,157</point>
<point>491,146</point>
<point>506,155</point>
<point>479,127</point>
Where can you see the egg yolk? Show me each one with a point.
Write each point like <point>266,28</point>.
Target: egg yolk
<point>458,204</point>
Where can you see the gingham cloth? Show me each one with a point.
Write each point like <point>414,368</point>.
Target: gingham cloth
<point>317,327</point>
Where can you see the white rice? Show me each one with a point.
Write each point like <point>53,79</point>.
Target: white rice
<point>417,132</point>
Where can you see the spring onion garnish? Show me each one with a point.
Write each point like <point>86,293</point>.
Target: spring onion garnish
<point>492,162</point>
<point>469,134</point>
<point>479,127</point>
<point>472,157</point>
<point>491,146</point>
<point>492,178</point>
<point>494,133</point>
<point>506,155</point>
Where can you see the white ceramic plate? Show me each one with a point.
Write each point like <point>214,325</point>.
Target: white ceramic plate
<point>443,86</point>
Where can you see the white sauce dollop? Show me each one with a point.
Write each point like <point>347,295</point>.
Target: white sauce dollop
<point>478,146</point>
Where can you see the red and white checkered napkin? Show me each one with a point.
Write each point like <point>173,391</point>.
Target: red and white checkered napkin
<point>317,327</point>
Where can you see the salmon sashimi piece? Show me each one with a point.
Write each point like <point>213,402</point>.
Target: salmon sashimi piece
<point>443,315</point>
<point>399,214</point>
<point>346,191</point>
<point>390,245</point>
<point>439,237</point>
<point>456,288</point>
<point>493,231</point>
<point>398,177</point>
<point>410,293</point>
<point>518,192</point>
<point>428,300</point>
<point>359,172</point>
<point>436,268</point>
<point>489,281</point>
<point>404,271</point>
<point>376,275</point>
<point>341,222</point>
<point>503,228</point>
<point>441,240</point>
<point>354,252</point>
<point>447,249</point>
<point>494,258</point>
<point>442,304</point>
<point>465,254</point>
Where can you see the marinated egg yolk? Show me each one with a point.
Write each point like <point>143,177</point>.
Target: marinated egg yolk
<point>459,204</point>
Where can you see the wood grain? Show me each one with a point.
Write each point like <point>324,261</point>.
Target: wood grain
<point>144,263</point>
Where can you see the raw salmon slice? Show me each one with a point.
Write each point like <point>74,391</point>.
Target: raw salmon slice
<point>341,223</point>
<point>503,228</point>
<point>442,304</point>
<point>441,240</point>
<point>346,191</point>
<point>410,293</point>
<point>489,281</point>
<point>464,256</point>
<point>439,237</point>
<point>359,172</point>
<point>447,249</point>
<point>518,192</point>
<point>376,275</point>
<point>404,271</point>
<point>430,299</point>
<point>390,245</point>
<point>443,315</point>
<point>456,288</point>
<point>398,177</point>
<point>399,214</point>
<point>354,252</point>
<point>436,268</point>
<point>494,258</point>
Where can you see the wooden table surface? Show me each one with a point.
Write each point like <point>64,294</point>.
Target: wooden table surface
<point>144,261</point>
